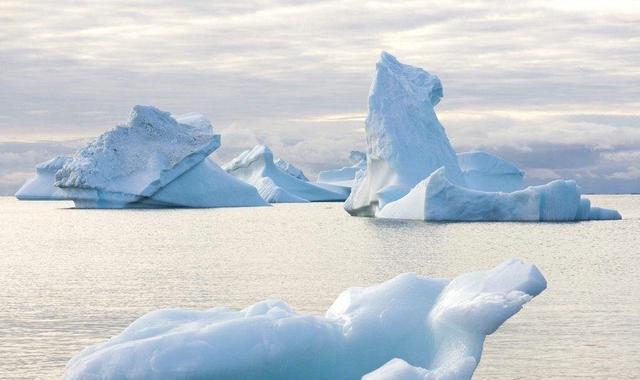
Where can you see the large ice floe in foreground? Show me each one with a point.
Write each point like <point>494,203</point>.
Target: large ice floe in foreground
<point>41,186</point>
<point>409,324</point>
<point>412,171</point>
<point>155,160</point>
<point>256,167</point>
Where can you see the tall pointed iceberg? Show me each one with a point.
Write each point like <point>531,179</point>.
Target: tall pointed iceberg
<point>406,142</point>
<point>413,172</point>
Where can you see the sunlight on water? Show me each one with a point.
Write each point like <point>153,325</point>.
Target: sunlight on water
<point>70,278</point>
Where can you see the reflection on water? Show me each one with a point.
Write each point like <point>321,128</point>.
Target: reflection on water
<point>70,278</point>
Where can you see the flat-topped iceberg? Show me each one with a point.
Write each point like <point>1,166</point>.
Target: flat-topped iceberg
<point>412,171</point>
<point>256,167</point>
<point>436,198</point>
<point>41,187</point>
<point>345,176</point>
<point>486,172</point>
<point>154,160</point>
<point>435,325</point>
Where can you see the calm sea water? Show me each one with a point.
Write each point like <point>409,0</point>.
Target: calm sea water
<point>70,278</point>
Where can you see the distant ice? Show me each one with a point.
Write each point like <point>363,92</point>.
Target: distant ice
<point>412,171</point>
<point>345,176</point>
<point>290,169</point>
<point>256,166</point>
<point>407,327</point>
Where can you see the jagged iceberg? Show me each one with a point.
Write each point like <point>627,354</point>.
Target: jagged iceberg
<point>345,176</point>
<point>486,172</point>
<point>256,167</point>
<point>290,169</point>
<point>41,186</point>
<point>155,160</point>
<point>412,171</point>
<point>435,324</point>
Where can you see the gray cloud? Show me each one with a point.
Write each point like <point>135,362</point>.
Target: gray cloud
<point>557,80</point>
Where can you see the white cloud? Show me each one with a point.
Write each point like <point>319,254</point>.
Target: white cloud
<point>296,74</point>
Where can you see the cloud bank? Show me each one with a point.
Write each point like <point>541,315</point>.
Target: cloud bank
<point>553,87</point>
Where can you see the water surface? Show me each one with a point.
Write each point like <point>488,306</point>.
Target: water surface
<point>71,278</point>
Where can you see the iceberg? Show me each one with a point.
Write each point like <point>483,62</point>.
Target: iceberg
<point>133,161</point>
<point>290,169</point>
<point>256,167</point>
<point>206,185</point>
<point>412,171</point>
<point>41,187</point>
<point>154,160</point>
<point>487,172</point>
<point>345,176</point>
<point>409,323</point>
<point>436,198</point>
<point>406,142</point>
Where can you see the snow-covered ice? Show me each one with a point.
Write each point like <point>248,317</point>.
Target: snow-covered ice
<point>155,160</point>
<point>412,171</point>
<point>133,161</point>
<point>487,172</point>
<point>431,327</point>
<point>256,166</point>
<point>344,176</point>
<point>41,186</point>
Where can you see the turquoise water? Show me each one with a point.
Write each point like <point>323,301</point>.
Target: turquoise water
<point>70,278</point>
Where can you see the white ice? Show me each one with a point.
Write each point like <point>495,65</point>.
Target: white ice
<point>256,166</point>
<point>206,185</point>
<point>41,186</point>
<point>438,199</point>
<point>413,173</point>
<point>344,176</point>
<point>401,127</point>
<point>487,172</point>
<point>155,160</point>
<point>290,169</point>
<point>435,325</point>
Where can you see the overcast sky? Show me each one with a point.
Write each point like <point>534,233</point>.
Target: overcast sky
<point>553,88</point>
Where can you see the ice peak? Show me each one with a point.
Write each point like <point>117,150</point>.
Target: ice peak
<point>148,115</point>
<point>411,80</point>
<point>406,142</point>
<point>248,157</point>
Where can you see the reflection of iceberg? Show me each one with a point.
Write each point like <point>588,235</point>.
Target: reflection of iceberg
<point>436,324</point>
<point>41,186</point>
<point>344,176</point>
<point>154,160</point>
<point>256,167</point>
<point>406,147</point>
<point>486,172</point>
